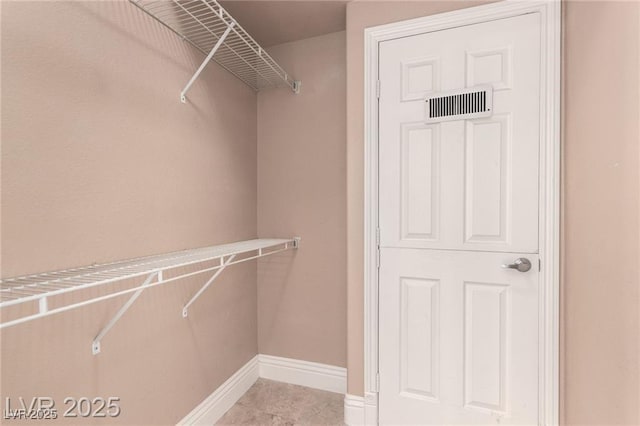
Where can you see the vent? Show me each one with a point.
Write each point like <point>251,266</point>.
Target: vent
<point>463,104</point>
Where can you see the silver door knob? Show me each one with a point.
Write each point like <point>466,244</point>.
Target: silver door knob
<point>522,264</point>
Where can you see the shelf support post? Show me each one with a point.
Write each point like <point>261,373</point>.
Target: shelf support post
<point>95,345</point>
<point>183,94</point>
<point>43,305</point>
<point>223,265</point>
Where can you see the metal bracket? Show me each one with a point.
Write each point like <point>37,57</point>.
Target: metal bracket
<point>297,84</point>
<point>223,265</point>
<point>95,345</point>
<point>296,242</point>
<point>43,305</point>
<point>183,94</point>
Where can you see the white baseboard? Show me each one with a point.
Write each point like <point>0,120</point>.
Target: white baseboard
<point>209,411</point>
<point>287,370</point>
<point>304,373</point>
<point>353,410</point>
<point>360,410</point>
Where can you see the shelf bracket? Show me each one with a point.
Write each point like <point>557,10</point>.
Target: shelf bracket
<point>223,265</point>
<point>297,84</point>
<point>183,94</point>
<point>95,345</point>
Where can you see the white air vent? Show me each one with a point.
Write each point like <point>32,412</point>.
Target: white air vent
<point>461,104</point>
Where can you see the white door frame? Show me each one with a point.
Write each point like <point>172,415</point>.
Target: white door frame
<point>549,185</point>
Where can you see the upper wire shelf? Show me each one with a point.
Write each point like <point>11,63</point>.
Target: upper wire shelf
<point>209,28</point>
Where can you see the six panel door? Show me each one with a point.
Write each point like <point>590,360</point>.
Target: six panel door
<point>459,199</point>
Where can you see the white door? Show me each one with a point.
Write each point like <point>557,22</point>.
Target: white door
<point>458,199</point>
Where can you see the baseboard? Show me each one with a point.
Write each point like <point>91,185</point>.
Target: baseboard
<point>304,373</point>
<point>353,410</point>
<point>361,410</point>
<point>209,411</point>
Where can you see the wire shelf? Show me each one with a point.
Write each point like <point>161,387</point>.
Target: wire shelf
<point>203,23</point>
<point>39,288</point>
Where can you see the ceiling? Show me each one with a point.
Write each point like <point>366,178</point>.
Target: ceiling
<point>274,22</point>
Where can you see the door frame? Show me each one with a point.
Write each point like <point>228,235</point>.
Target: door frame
<point>549,202</point>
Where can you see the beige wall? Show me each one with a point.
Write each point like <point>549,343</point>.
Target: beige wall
<point>101,161</point>
<point>600,325</point>
<point>600,300</point>
<point>301,191</point>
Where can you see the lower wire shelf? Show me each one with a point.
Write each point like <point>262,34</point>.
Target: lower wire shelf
<point>38,289</point>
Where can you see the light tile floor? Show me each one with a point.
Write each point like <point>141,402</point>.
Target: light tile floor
<point>275,403</point>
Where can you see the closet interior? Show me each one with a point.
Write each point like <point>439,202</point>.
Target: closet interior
<point>171,146</point>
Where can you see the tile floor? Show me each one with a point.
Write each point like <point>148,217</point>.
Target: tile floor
<point>274,403</point>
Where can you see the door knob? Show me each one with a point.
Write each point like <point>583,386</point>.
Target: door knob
<point>522,264</point>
